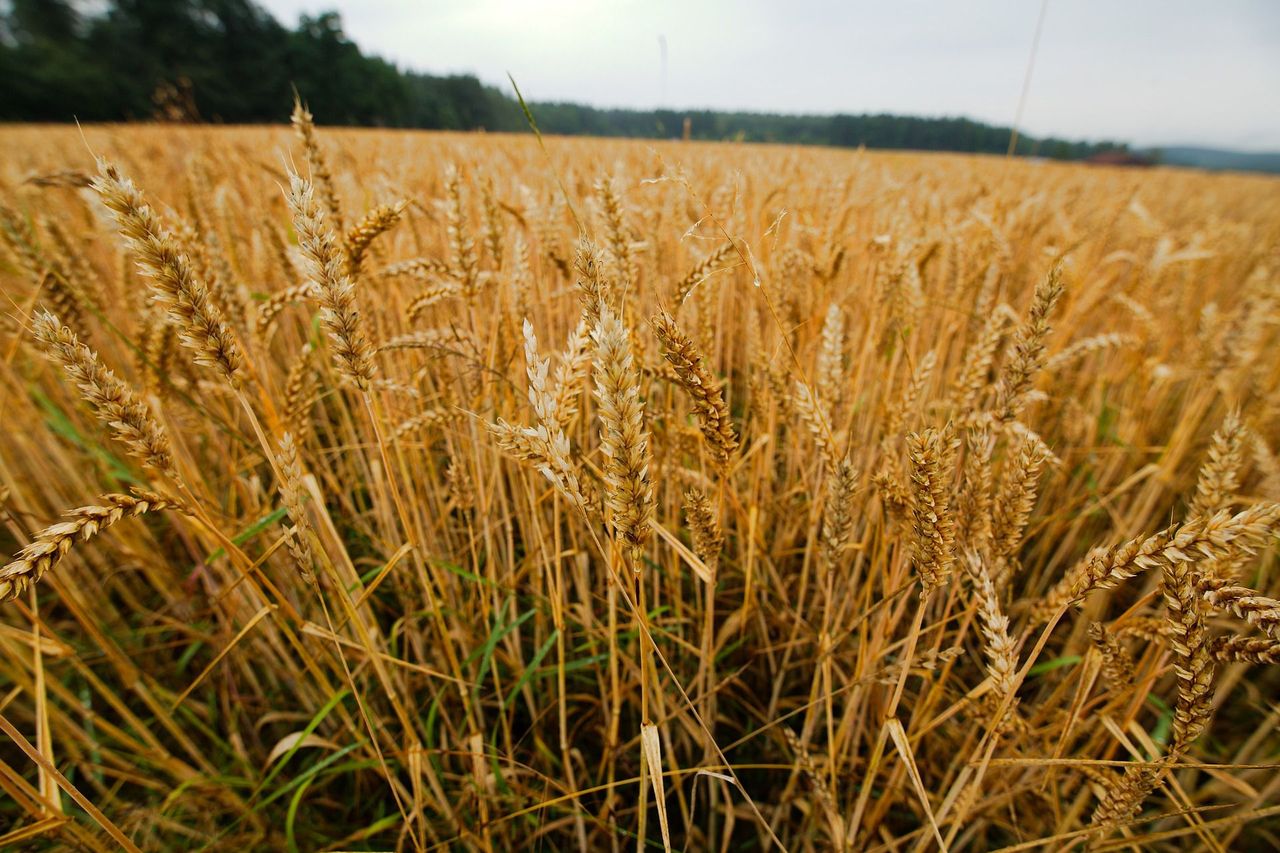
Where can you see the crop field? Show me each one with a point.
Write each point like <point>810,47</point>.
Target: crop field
<point>373,490</point>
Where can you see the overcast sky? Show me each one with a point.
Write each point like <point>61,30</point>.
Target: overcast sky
<point>1150,72</point>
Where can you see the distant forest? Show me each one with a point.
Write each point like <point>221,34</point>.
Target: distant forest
<point>231,61</point>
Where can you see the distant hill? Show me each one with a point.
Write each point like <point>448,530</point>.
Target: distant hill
<point>1219,158</point>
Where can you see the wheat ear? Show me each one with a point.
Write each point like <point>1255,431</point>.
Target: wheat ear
<point>703,388</point>
<point>53,543</point>
<point>304,126</point>
<point>1024,363</point>
<point>294,497</point>
<point>624,439</point>
<point>375,223</point>
<point>201,324</point>
<point>337,296</point>
<point>933,541</point>
<point>130,420</point>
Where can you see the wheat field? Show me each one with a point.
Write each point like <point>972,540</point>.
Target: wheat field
<point>369,490</point>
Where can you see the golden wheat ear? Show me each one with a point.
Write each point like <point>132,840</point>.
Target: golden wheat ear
<point>178,289</point>
<point>624,439</point>
<point>52,544</point>
<point>703,388</point>
<point>131,420</point>
<point>352,351</point>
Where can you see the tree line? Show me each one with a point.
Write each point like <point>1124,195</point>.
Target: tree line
<point>231,61</point>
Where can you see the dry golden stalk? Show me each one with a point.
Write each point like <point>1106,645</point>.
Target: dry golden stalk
<point>930,660</point>
<point>131,420</point>
<point>293,494</point>
<point>771,382</point>
<point>838,513</point>
<point>1117,663</point>
<point>304,126</point>
<point>279,251</point>
<point>703,388</point>
<point>1019,373</point>
<point>53,543</point>
<point>212,268</point>
<point>701,272</point>
<point>1025,433</point>
<point>1140,312</point>
<point>201,325</point>
<point>1220,475</point>
<point>521,276</point>
<point>1245,650</point>
<point>624,439</point>
<point>1253,607</point>
<point>708,541</point>
<point>375,223</point>
<point>1197,538</point>
<point>71,178</point>
<point>1268,467</point>
<point>21,241</point>
<point>933,534</point>
<point>68,259</point>
<point>395,386</point>
<point>336,294</point>
<point>270,309</point>
<point>156,343</point>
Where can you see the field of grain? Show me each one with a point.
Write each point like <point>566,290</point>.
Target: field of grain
<point>371,490</point>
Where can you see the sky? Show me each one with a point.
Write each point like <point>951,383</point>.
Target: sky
<point>1149,72</point>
